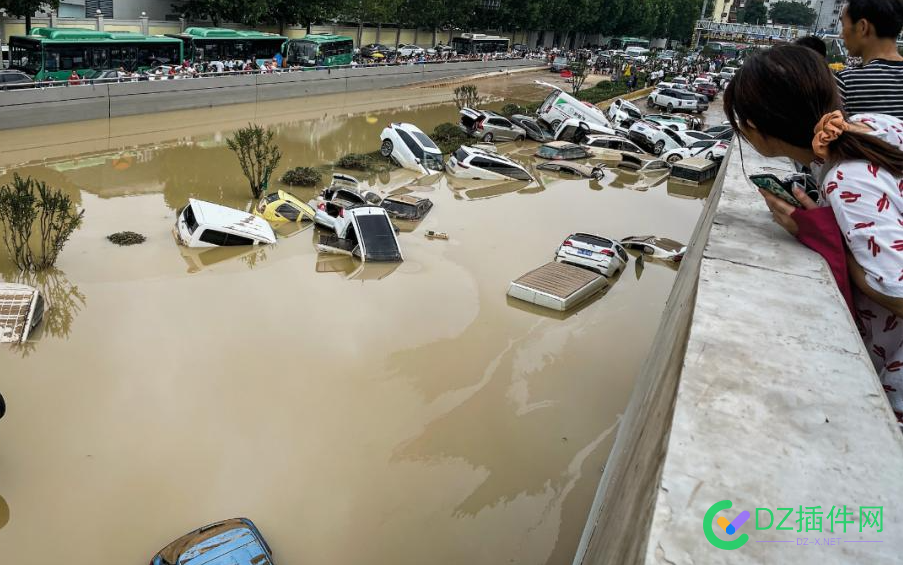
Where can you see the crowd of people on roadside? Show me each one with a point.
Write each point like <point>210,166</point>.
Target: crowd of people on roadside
<point>847,129</point>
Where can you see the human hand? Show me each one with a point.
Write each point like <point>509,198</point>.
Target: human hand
<point>782,211</point>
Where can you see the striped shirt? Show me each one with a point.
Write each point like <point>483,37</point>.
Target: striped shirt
<point>875,88</point>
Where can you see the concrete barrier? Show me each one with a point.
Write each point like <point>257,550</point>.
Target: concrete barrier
<point>757,390</point>
<point>35,107</point>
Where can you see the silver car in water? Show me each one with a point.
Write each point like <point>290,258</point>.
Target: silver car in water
<point>488,126</point>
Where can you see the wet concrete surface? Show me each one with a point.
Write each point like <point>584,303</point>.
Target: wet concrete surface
<point>402,414</point>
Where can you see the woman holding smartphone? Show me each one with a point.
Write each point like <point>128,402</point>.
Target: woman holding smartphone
<point>785,102</point>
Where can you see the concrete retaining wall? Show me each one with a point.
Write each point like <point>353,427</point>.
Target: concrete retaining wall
<point>757,390</point>
<point>35,107</point>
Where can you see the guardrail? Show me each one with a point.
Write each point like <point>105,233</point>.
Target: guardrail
<point>190,74</point>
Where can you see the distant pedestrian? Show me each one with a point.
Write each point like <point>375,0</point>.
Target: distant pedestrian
<point>74,79</point>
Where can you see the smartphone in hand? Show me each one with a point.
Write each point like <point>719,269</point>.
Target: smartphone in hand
<point>774,185</point>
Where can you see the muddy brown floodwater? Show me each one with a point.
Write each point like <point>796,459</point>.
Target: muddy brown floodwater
<point>383,416</point>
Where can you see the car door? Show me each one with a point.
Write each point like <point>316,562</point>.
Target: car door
<point>700,147</point>
<point>501,129</point>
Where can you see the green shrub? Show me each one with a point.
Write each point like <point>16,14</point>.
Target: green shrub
<point>366,162</point>
<point>126,238</point>
<point>302,176</point>
<point>509,110</point>
<point>449,137</point>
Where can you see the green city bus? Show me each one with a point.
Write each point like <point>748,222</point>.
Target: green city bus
<point>205,44</point>
<point>53,53</point>
<point>320,50</point>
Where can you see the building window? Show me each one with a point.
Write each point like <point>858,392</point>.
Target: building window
<point>105,7</point>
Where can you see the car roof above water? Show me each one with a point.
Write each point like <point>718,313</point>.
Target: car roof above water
<point>210,214</point>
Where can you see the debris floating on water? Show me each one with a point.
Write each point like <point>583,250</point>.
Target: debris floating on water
<point>126,238</point>
<point>436,235</point>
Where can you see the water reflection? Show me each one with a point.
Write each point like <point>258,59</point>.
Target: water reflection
<point>4,512</point>
<point>198,259</point>
<point>479,190</point>
<point>679,189</point>
<point>353,269</point>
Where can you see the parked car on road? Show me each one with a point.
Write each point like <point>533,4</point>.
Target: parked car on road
<point>411,148</point>
<point>472,163</point>
<point>280,206</point>
<point>376,49</point>
<point>711,149</point>
<point>537,130</point>
<point>577,169</point>
<point>598,254</point>
<point>488,126</point>
<point>562,151</point>
<point>706,88</point>
<point>230,542</point>
<point>702,103</point>
<point>727,73</point>
<point>10,80</point>
<point>672,99</point>
<point>559,64</point>
<point>405,50</point>
<point>204,224</point>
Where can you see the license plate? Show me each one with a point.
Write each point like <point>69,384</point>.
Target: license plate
<point>585,252</point>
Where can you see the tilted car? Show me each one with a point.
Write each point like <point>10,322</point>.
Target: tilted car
<point>673,99</point>
<point>411,148</point>
<point>280,206</point>
<point>601,255</point>
<point>724,133</point>
<point>537,130</point>
<point>472,163</point>
<point>656,247</point>
<point>341,195</point>
<point>577,169</point>
<point>655,138</point>
<point>365,232</point>
<point>711,149</point>
<point>576,130</point>
<point>562,151</point>
<point>230,542</point>
<point>488,126</point>
<point>204,224</point>
<point>612,142</point>
<point>621,110</point>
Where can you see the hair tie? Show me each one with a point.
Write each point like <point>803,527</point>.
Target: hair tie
<point>827,130</point>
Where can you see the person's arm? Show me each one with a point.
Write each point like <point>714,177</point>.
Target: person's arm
<point>857,275</point>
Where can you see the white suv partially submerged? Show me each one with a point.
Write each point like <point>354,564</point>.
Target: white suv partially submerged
<point>411,148</point>
<point>204,224</point>
<point>473,163</point>
<point>598,254</point>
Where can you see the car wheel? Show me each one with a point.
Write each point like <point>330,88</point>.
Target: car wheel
<point>658,148</point>
<point>487,138</point>
<point>519,138</point>
<point>650,103</point>
<point>670,108</point>
<point>386,149</point>
<point>554,125</point>
<point>710,156</point>
<point>673,159</point>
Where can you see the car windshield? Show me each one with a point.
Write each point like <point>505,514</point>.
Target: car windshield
<point>548,152</point>
<point>424,140</point>
<point>460,155</point>
<point>591,240</point>
<point>190,220</point>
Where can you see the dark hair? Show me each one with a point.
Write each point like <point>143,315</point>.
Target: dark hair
<point>885,15</point>
<point>784,91</point>
<point>813,43</point>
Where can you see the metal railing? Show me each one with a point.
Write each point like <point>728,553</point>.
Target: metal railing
<point>183,73</point>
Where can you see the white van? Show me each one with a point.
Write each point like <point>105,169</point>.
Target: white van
<point>560,106</point>
<point>204,224</point>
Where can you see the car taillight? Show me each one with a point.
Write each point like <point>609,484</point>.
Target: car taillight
<point>321,206</point>
<point>462,165</point>
<point>568,243</point>
<point>608,252</point>
<point>341,212</point>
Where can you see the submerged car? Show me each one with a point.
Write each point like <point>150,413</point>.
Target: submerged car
<point>677,122</point>
<point>407,207</point>
<point>281,206</point>
<point>366,233</point>
<point>658,247</point>
<point>537,130</point>
<point>562,150</point>
<point>711,149</point>
<point>577,169</point>
<point>654,138</point>
<point>204,224</point>
<point>472,163</point>
<point>612,142</point>
<point>598,254</point>
<point>489,126</point>
<point>21,310</point>
<point>622,111</point>
<point>231,542</point>
<point>411,148</point>
<point>342,194</point>
<point>723,133</point>
<point>577,130</point>
<point>642,164</point>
